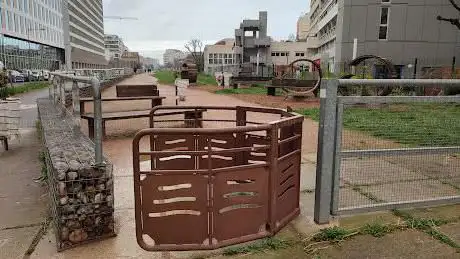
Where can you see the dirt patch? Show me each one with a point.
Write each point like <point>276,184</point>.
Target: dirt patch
<point>269,101</point>
<point>406,244</point>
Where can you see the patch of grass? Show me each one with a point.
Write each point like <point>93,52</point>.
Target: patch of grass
<point>165,77</point>
<point>204,79</point>
<point>333,234</point>
<point>312,113</point>
<point>428,226</point>
<point>44,171</point>
<point>376,229</point>
<point>442,238</point>
<point>411,124</point>
<point>259,246</point>
<point>27,87</point>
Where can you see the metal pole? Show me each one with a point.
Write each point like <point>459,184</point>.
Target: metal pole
<point>453,68</point>
<point>415,68</point>
<point>76,104</point>
<point>326,150</point>
<point>95,83</point>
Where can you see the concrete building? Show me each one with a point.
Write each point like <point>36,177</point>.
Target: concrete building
<point>151,63</point>
<point>31,34</point>
<point>85,29</point>
<point>220,57</point>
<point>252,43</point>
<point>284,53</point>
<point>303,27</point>
<point>131,59</point>
<point>115,45</point>
<point>400,30</point>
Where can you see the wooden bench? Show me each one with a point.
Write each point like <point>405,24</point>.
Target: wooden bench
<point>137,90</point>
<point>288,83</point>
<point>123,115</point>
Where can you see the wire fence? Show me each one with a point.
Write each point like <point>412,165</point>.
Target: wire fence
<point>399,152</point>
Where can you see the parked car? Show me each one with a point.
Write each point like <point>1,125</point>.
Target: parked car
<point>15,76</point>
<point>46,74</point>
<point>37,75</point>
<point>27,74</point>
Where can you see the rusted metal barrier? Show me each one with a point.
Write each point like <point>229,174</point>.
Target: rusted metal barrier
<point>210,187</point>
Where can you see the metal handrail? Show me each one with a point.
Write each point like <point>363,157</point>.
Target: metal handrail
<point>96,85</point>
<point>399,82</point>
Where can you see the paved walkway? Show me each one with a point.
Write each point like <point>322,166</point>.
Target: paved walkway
<point>118,149</point>
<point>23,202</point>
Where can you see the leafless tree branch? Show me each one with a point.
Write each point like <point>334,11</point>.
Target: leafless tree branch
<point>195,47</point>
<point>455,5</point>
<point>453,21</point>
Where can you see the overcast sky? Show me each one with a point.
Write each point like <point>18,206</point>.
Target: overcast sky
<point>164,24</point>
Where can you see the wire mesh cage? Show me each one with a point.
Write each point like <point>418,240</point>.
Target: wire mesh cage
<point>81,194</point>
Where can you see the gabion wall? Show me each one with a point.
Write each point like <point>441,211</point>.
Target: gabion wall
<point>81,195</point>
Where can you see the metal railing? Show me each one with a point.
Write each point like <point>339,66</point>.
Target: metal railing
<point>239,166</point>
<point>380,153</point>
<point>62,84</point>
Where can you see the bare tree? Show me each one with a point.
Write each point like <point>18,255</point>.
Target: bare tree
<point>453,21</point>
<point>195,47</point>
<point>292,37</point>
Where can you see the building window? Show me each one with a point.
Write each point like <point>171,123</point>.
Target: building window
<point>300,54</point>
<point>384,18</point>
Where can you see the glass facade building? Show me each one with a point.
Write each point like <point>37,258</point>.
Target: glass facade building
<point>20,54</point>
<point>31,34</point>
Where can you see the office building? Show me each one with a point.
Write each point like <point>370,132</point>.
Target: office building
<point>303,27</point>
<point>399,30</point>
<point>85,29</point>
<point>220,57</point>
<point>115,45</point>
<point>131,59</point>
<point>32,34</point>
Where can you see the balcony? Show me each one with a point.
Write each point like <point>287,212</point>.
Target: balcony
<point>250,24</point>
<point>263,42</point>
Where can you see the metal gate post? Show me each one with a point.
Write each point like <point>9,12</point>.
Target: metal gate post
<point>326,150</point>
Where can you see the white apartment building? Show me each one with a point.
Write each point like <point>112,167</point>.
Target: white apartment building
<point>31,34</point>
<point>86,33</point>
<point>115,45</point>
<point>220,57</point>
<point>303,27</point>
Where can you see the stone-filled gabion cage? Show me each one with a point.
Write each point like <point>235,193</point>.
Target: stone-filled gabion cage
<point>81,194</point>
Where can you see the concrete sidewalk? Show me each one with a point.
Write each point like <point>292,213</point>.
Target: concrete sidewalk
<point>23,201</point>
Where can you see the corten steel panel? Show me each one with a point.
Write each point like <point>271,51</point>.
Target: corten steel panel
<point>137,90</point>
<point>254,141</point>
<point>236,201</point>
<point>174,143</point>
<point>241,215</point>
<point>288,188</point>
<point>177,229</point>
<point>217,142</point>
